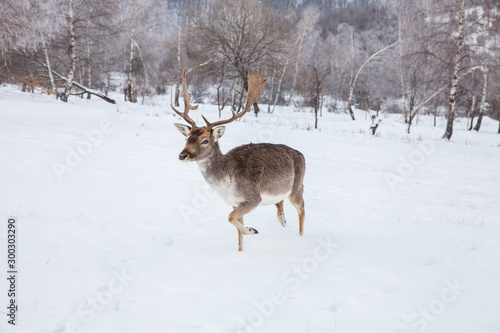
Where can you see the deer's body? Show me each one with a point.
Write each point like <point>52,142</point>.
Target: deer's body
<point>266,172</point>
<point>249,175</point>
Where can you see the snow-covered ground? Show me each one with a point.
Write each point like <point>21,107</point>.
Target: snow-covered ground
<point>115,234</point>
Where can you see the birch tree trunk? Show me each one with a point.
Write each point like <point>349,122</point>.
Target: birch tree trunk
<point>317,92</point>
<point>47,60</point>
<point>456,71</point>
<point>297,58</point>
<point>483,98</point>
<point>130,93</point>
<point>146,75</point>
<point>300,43</point>
<point>69,83</point>
<point>130,90</point>
<point>89,62</point>
<point>401,71</point>
<point>351,80</point>
<point>177,89</point>
<point>280,82</point>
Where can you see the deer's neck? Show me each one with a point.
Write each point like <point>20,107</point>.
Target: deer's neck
<point>214,167</point>
<point>217,172</point>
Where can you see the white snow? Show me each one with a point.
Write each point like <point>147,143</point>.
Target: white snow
<point>115,234</point>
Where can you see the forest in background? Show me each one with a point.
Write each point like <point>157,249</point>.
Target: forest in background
<point>436,57</point>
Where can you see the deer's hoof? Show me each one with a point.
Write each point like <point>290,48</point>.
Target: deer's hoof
<point>253,231</point>
<point>282,219</point>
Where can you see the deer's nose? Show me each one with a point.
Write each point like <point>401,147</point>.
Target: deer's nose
<point>183,155</point>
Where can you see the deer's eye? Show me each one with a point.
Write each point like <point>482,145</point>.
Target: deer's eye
<point>204,142</point>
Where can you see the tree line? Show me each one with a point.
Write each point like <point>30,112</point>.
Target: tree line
<point>408,57</point>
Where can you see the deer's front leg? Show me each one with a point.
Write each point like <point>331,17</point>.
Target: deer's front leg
<point>241,210</point>
<point>240,234</point>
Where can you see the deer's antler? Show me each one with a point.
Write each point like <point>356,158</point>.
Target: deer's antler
<point>255,89</point>
<point>187,103</point>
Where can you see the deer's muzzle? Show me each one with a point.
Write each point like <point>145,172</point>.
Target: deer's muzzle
<point>183,155</point>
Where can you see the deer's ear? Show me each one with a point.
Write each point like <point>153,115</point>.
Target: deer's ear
<point>219,132</point>
<point>184,129</point>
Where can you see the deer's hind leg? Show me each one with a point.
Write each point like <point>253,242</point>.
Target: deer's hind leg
<point>297,201</point>
<point>281,213</point>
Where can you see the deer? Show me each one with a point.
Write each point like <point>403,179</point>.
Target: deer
<point>247,176</point>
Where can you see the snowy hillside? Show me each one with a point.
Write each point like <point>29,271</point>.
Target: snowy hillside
<point>115,234</point>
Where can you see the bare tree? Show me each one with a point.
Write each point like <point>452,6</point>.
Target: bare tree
<point>354,79</point>
<point>25,26</point>
<point>15,28</point>
<point>305,27</point>
<point>142,25</point>
<point>317,83</point>
<point>239,34</point>
<point>314,76</point>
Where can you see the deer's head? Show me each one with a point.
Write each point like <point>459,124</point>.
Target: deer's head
<point>202,141</point>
